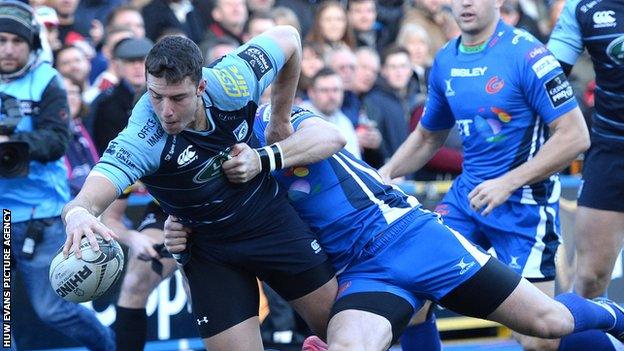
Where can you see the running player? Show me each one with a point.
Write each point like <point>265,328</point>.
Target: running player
<point>391,254</point>
<point>520,124</point>
<point>175,142</point>
<point>599,233</point>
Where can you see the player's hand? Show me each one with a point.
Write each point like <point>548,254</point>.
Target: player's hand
<point>243,165</point>
<point>275,132</point>
<point>141,246</point>
<point>81,223</point>
<point>176,235</point>
<point>490,194</point>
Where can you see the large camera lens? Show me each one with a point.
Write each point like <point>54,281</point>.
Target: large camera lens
<point>13,159</point>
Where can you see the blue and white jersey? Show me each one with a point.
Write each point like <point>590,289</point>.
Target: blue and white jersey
<point>597,25</point>
<point>342,199</point>
<point>502,100</point>
<point>183,171</point>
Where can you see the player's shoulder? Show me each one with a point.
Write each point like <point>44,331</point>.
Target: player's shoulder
<point>447,52</point>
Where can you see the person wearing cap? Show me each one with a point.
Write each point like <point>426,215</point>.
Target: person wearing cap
<point>111,110</point>
<point>36,196</point>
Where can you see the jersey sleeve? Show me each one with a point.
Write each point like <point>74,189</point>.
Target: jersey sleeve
<point>437,114</point>
<point>243,75</point>
<point>263,116</point>
<point>136,151</point>
<point>566,41</point>
<point>544,83</point>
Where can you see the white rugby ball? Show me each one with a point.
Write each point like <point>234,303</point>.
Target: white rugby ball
<point>87,278</point>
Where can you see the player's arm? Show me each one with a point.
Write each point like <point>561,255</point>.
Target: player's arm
<point>113,217</point>
<point>314,140</point>
<point>285,84</point>
<point>414,153</point>
<point>80,214</point>
<point>566,41</point>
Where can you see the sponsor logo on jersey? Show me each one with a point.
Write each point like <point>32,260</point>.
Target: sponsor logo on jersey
<point>463,126</point>
<point>226,117</point>
<point>449,89</point>
<point>494,85</point>
<point>615,50</point>
<point>521,34</point>
<point>172,148</point>
<point>187,156</point>
<point>210,170</point>
<point>149,125</point>
<point>463,266</point>
<point>241,131</point>
<point>559,90</point>
<point>538,50</point>
<point>604,19</point>
<point>204,320</point>
<point>468,72</point>
<point>232,82</point>
<point>544,65</point>
<point>589,5</point>
<point>120,154</point>
<point>257,59</point>
<point>315,246</point>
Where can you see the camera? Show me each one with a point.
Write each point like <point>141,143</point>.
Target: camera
<point>14,160</point>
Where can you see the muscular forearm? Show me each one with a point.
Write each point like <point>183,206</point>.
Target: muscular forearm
<point>415,152</point>
<point>285,85</point>
<point>313,141</point>
<point>95,196</point>
<point>568,140</point>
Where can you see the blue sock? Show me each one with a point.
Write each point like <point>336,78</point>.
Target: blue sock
<point>589,340</point>
<point>587,315</point>
<point>422,337</point>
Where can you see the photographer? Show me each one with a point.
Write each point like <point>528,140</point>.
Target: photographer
<point>34,134</point>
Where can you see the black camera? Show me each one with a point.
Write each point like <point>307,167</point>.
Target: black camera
<point>14,160</point>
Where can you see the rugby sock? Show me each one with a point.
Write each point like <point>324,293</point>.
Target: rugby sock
<point>130,328</point>
<point>590,340</point>
<point>587,314</point>
<point>422,337</point>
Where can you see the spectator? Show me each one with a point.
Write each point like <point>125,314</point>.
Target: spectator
<point>342,61</point>
<point>285,16</point>
<point>363,20</point>
<point>325,93</point>
<point>72,62</point>
<point>311,63</point>
<point>47,16</point>
<point>513,15</point>
<point>219,49</point>
<point>304,10</point>
<point>159,15</point>
<point>366,70</point>
<point>110,111</point>
<point>229,18</point>
<point>81,154</point>
<point>108,78</point>
<point>71,28</point>
<point>414,38</point>
<point>392,98</point>
<point>262,6</point>
<point>330,27</point>
<point>257,24</point>
<point>434,18</point>
<point>34,100</point>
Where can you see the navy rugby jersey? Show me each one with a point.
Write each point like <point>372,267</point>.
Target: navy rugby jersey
<point>598,26</point>
<point>341,198</point>
<point>183,171</point>
<point>501,99</point>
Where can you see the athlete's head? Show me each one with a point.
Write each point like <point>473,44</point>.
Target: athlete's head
<point>476,18</point>
<point>173,70</point>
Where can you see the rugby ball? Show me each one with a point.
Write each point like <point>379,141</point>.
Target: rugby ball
<point>87,278</point>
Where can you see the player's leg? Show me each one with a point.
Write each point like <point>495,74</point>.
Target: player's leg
<point>225,304</point>
<point>422,333</point>
<point>315,307</point>
<point>140,279</point>
<point>70,319</point>
<point>599,235</point>
<point>599,227</point>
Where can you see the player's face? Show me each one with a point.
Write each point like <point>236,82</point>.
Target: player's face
<point>475,16</point>
<point>14,51</point>
<point>175,104</point>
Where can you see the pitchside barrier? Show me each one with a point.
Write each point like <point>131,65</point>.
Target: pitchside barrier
<point>169,318</point>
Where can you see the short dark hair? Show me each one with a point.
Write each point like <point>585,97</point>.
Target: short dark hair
<point>175,58</point>
<point>323,72</point>
<point>351,2</point>
<point>393,50</point>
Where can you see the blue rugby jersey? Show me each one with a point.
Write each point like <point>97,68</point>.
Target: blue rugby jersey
<point>502,100</point>
<point>341,198</point>
<point>599,27</point>
<point>183,171</point>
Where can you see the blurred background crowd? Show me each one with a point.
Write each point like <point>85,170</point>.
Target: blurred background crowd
<point>365,62</point>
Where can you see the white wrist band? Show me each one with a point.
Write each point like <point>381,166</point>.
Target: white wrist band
<point>74,210</point>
